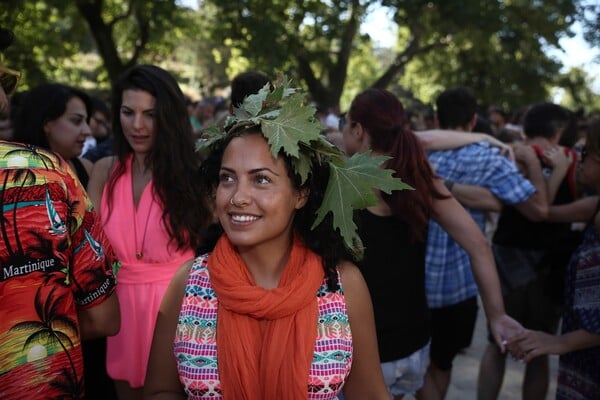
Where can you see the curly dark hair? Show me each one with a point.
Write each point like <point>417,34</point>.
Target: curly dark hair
<point>175,165</point>
<point>323,239</point>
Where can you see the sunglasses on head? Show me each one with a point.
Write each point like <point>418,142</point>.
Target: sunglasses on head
<point>9,79</point>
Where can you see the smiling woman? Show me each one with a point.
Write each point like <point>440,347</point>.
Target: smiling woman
<point>293,313</point>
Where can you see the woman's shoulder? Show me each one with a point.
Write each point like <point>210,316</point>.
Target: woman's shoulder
<point>104,166</point>
<point>181,276</point>
<point>351,280</point>
<point>348,270</point>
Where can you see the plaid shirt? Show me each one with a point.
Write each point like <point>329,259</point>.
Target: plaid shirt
<point>449,279</point>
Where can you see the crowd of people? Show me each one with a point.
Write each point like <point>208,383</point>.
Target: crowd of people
<point>158,248</point>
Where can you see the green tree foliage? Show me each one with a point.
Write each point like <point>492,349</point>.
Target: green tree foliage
<point>589,12</point>
<point>47,34</point>
<point>576,85</point>
<point>125,31</point>
<point>92,40</point>
<point>312,40</point>
<point>498,48</point>
<point>494,47</point>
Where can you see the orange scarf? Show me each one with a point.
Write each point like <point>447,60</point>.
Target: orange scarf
<point>270,361</point>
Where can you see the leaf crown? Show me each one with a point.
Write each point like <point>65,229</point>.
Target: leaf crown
<point>290,126</point>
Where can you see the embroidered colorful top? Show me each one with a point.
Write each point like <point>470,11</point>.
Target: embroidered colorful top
<point>196,341</point>
<point>55,260</point>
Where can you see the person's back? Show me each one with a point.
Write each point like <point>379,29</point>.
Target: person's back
<point>450,284</point>
<point>476,164</point>
<point>56,266</point>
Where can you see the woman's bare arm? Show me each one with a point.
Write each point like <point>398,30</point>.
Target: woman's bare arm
<point>365,380</point>
<point>460,226</point>
<point>162,377</point>
<point>98,177</point>
<point>442,139</point>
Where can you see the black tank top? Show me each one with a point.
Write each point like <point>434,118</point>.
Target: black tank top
<point>394,269</point>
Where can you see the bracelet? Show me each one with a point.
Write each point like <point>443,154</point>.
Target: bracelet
<point>449,185</point>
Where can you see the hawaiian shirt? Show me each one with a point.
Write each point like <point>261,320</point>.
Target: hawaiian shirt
<point>55,260</point>
<point>449,279</point>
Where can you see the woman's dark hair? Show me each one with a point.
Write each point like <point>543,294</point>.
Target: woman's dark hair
<point>174,163</point>
<point>323,240</point>
<point>382,115</point>
<point>42,104</point>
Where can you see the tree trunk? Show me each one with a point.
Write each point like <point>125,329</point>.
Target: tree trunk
<point>91,10</point>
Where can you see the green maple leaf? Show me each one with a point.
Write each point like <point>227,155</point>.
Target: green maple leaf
<point>253,104</point>
<point>323,150</point>
<point>356,181</point>
<point>294,124</point>
<point>282,89</point>
<point>302,166</point>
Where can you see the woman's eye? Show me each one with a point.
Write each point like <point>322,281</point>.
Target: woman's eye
<point>224,178</point>
<point>262,179</point>
<point>126,112</point>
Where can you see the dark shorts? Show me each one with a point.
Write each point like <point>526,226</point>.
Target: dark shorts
<point>451,331</point>
<point>533,307</point>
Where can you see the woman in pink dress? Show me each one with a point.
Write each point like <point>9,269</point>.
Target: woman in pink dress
<point>151,208</point>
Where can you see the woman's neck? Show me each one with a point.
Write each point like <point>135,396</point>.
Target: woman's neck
<point>266,265</point>
<point>139,164</point>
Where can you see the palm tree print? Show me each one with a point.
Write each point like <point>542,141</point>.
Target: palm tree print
<point>26,177</point>
<point>51,326</point>
<point>36,154</point>
<point>68,387</point>
<point>33,155</point>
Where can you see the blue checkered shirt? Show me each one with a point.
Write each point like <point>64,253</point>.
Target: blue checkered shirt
<point>449,279</point>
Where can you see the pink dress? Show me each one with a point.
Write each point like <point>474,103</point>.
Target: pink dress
<point>141,284</point>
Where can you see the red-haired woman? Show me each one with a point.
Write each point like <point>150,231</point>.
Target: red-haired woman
<point>394,235</point>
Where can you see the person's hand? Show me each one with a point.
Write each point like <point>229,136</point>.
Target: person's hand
<point>556,157</point>
<point>524,153</point>
<point>530,344</point>
<point>505,148</point>
<point>504,329</point>
<point>525,157</point>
